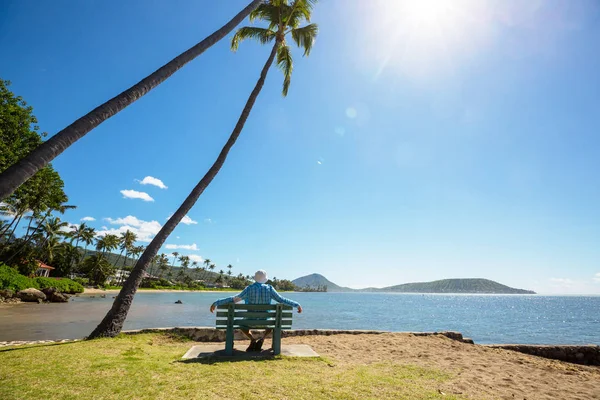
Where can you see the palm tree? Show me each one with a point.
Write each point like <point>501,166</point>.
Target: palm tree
<point>126,241</point>
<point>283,18</point>
<point>175,255</point>
<point>98,268</point>
<point>78,234</point>
<point>229,268</point>
<point>107,243</point>
<point>18,173</point>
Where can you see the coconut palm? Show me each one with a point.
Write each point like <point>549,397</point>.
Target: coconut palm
<point>97,268</point>
<point>175,255</point>
<point>77,234</point>
<point>17,174</point>
<point>126,243</point>
<point>107,243</point>
<point>282,17</point>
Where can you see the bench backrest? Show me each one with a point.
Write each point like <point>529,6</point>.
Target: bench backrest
<point>254,316</point>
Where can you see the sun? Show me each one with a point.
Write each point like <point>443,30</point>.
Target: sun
<point>423,37</point>
<point>423,13</point>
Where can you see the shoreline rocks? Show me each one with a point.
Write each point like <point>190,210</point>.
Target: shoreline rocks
<point>31,295</point>
<point>54,296</point>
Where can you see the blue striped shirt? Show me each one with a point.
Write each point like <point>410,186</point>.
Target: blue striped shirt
<point>258,293</point>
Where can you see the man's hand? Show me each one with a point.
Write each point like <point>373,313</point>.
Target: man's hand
<point>212,308</point>
<point>299,309</point>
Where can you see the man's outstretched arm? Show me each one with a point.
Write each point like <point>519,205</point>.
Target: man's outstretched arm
<point>228,300</point>
<point>280,299</point>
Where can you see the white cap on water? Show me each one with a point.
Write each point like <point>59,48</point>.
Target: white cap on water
<point>261,276</point>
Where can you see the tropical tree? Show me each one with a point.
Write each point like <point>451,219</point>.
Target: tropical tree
<point>107,243</point>
<point>175,254</point>
<point>97,268</point>
<point>283,17</point>
<point>18,173</point>
<point>126,242</point>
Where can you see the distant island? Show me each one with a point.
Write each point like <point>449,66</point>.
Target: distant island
<point>472,286</point>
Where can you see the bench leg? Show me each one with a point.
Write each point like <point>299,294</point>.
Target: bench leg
<point>229,341</point>
<point>277,341</point>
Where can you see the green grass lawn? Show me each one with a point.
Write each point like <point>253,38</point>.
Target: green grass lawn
<point>148,366</point>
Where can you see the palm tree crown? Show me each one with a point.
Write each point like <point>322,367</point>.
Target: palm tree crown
<point>284,17</point>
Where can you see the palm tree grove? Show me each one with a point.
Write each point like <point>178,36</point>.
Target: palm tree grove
<point>33,196</point>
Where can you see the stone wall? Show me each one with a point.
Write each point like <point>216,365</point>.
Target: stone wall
<point>586,355</point>
<point>208,334</point>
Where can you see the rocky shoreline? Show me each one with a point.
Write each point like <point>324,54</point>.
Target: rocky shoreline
<point>32,295</point>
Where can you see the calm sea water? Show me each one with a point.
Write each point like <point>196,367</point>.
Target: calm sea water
<point>485,318</point>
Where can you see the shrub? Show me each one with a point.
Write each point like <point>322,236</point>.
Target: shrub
<point>81,281</point>
<point>63,285</point>
<point>11,279</point>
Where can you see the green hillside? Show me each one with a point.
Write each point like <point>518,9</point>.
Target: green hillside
<point>153,270</point>
<point>316,280</point>
<point>456,286</point>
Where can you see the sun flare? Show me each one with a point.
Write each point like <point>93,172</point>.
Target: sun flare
<point>423,37</point>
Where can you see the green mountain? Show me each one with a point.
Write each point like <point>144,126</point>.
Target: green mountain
<point>442,286</point>
<point>455,286</point>
<point>316,280</point>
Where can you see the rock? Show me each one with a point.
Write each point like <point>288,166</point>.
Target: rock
<point>7,294</point>
<point>58,297</point>
<point>54,296</point>
<point>31,294</point>
<point>49,291</point>
<point>179,302</point>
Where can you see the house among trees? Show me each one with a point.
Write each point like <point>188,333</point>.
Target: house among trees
<point>43,270</point>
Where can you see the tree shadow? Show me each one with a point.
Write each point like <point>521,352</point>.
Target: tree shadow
<point>31,346</point>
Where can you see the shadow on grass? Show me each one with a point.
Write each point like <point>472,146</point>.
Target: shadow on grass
<point>238,355</point>
<point>31,346</point>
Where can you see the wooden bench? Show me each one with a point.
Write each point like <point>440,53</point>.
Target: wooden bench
<point>254,316</point>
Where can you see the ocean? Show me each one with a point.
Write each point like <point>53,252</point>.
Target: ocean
<point>487,319</point>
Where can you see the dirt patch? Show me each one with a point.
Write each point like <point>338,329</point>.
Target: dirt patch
<point>478,372</point>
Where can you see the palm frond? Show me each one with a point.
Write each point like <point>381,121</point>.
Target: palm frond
<point>269,12</point>
<point>248,32</point>
<point>298,11</point>
<point>286,64</point>
<point>305,37</point>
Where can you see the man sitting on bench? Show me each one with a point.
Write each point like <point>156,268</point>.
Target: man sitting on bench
<point>257,293</point>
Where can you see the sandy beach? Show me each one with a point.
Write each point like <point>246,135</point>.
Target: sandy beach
<point>478,372</point>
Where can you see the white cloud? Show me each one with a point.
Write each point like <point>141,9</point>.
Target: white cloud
<point>89,219</point>
<point>208,221</point>
<point>193,247</point>
<point>186,220</point>
<point>145,230</point>
<point>69,228</point>
<point>134,194</point>
<point>597,277</point>
<point>150,180</point>
<point>196,257</point>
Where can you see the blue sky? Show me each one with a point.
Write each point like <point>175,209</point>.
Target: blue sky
<point>416,143</point>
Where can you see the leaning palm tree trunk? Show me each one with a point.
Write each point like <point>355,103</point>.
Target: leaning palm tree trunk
<point>112,323</point>
<point>18,173</point>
